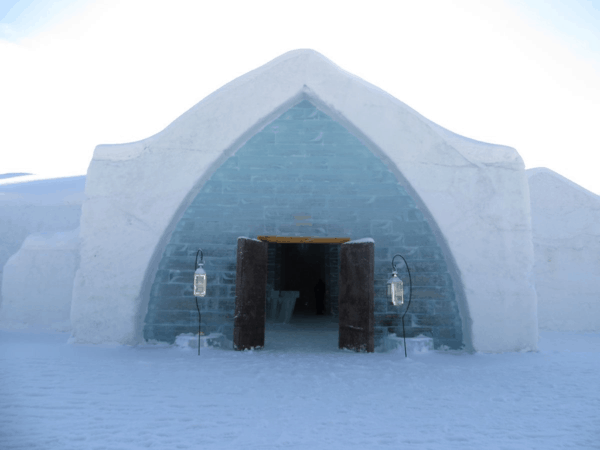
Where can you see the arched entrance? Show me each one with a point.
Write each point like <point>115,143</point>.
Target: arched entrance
<point>304,173</point>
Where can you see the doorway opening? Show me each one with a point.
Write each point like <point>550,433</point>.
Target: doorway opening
<point>304,270</point>
<point>302,297</point>
<point>312,271</point>
<point>306,290</point>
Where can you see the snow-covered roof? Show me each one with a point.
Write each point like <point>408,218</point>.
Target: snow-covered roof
<point>260,95</point>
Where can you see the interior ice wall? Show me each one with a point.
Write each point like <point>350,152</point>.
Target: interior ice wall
<point>566,238</point>
<point>38,282</point>
<point>477,194</point>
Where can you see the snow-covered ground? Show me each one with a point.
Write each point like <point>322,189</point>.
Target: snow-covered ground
<point>300,392</point>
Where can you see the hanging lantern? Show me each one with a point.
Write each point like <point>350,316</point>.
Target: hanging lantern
<point>199,289</point>
<point>395,289</point>
<point>199,277</point>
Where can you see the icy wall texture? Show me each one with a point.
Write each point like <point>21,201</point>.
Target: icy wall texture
<point>566,239</point>
<point>302,164</point>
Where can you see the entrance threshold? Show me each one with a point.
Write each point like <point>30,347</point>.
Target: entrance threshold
<point>305,333</point>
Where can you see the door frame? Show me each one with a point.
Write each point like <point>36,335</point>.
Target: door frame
<point>251,282</point>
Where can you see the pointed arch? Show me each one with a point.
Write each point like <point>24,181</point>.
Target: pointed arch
<point>437,308</point>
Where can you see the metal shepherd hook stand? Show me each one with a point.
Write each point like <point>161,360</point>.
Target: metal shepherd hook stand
<point>394,282</point>
<point>199,288</point>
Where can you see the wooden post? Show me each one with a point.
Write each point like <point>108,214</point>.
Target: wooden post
<point>356,296</point>
<point>250,294</point>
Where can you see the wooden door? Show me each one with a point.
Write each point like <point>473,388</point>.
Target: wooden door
<point>250,294</point>
<point>356,296</point>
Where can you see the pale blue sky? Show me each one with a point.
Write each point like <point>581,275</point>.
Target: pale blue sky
<point>77,73</point>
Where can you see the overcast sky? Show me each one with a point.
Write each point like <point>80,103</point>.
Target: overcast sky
<point>78,73</point>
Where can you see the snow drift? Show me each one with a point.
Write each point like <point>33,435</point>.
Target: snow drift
<point>566,238</point>
<point>38,282</point>
<point>30,205</point>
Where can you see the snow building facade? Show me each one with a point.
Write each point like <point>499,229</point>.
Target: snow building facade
<point>271,176</point>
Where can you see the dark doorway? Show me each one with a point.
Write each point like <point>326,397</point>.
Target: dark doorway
<point>323,283</point>
<point>307,268</point>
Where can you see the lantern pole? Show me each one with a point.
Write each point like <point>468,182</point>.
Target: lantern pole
<point>409,297</point>
<point>196,270</point>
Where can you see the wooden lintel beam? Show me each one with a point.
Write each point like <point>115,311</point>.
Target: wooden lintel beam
<point>302,240</point>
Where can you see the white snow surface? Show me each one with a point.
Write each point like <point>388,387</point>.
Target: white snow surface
<point>299,392</point>
<point>37,282</point>
<point>31,205</point>
<point>566,239</point>
<point>475,195</point>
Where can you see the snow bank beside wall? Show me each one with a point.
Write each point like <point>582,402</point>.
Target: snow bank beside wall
<point>37,282</point>
<point>35,207</point>
<point>566,238</point>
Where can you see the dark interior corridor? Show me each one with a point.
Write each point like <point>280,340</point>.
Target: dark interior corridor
<point>312,270</point>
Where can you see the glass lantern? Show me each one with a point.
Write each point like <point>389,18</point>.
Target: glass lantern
<point>395,289</point>
<point>200,281</point>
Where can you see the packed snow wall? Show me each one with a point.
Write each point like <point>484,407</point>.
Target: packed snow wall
<point>40,206</point>
<point>303,175</point>
<point>566,239</point>
<point>37,283</point>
